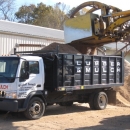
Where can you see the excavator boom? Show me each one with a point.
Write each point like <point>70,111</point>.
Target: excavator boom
<point>94,30</point>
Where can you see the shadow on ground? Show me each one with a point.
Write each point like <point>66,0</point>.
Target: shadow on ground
<point>7,119</point>
<point>113,123</point>
<point>58,110</point>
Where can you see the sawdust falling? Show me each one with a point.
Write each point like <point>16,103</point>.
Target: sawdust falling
<point>123,96</point>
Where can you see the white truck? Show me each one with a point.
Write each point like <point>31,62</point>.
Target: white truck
<point>30,82</point>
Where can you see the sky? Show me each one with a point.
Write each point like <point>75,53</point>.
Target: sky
<point>124,5</point>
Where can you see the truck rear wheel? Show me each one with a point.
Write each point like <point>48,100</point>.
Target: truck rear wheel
<point>66,103</point>
<point>100,101</point>
<point>35,109</point>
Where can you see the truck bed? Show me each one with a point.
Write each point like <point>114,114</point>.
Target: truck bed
<point>71,71</point>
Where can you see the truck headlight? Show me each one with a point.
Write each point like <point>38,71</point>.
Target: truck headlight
<point>12,95</point>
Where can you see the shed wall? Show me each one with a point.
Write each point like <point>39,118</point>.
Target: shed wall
<point>8,43</point>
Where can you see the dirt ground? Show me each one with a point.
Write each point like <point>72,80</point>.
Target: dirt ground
<point>76,117</point>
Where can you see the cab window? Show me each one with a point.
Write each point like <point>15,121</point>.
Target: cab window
<point>33,67</point>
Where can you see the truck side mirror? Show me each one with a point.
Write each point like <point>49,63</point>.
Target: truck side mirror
<point>25,70</point>
<point>26,66</point>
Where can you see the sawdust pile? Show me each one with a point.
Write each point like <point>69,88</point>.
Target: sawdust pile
<point>63,48</point>
<point>126,68</point>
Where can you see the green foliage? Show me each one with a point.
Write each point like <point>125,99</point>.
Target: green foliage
<point>43,15</point>
<point>25,14</point>
<point>56,18</point>
<point>40,14</point>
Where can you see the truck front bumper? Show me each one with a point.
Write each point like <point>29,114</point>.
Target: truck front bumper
<point>9,105</point>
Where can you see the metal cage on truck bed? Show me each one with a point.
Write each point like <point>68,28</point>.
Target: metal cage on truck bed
<point>86,72</point>
<point>73,72</point>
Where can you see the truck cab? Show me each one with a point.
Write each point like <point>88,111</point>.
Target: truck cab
<point>19,77</point>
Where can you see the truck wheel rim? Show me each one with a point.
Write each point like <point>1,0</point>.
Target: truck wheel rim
<point>102,101</point>
<point>35,109</point>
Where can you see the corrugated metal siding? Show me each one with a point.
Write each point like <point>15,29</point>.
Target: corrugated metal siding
<point>8,42</point>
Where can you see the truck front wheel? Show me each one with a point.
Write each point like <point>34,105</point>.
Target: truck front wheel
<point>100,101</point>
<point>35,109</point>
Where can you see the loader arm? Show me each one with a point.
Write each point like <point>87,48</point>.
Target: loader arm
<point>94,30</point>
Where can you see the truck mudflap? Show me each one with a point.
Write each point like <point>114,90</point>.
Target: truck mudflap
<point>111,94</point>
<point>9,105</point>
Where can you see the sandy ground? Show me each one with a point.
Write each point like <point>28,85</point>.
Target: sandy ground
<point>76,117</point>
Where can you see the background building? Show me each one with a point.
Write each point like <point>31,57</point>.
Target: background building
<point>112,48</point>
<point>26,37</point>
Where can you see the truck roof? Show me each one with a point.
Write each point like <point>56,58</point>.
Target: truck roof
<point>31,58</point>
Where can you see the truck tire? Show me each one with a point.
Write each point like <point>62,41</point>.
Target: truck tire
<point>91,101</point>
<point>100,101</point>
<point>66,103</point>
<point>35,109</point>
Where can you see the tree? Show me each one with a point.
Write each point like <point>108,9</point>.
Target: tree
<point>7,9</point>
<point>25,14</point>
<point>40,13</point>
<point>43,15</point>
<point>57,16</point>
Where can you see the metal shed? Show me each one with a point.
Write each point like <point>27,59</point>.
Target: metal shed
<point>26,37</point>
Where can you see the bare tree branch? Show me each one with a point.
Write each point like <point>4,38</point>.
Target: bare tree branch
<point>7,9</point>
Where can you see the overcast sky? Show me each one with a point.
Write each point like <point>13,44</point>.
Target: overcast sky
<point>124,5</point>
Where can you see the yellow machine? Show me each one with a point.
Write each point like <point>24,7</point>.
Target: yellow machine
<point>93,30</point>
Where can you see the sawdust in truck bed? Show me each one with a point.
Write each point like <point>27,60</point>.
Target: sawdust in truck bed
<point>63,48</point>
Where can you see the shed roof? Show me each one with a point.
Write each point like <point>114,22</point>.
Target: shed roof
<point>25,29</point>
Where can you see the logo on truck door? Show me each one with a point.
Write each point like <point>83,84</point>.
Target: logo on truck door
<point>3,86</point>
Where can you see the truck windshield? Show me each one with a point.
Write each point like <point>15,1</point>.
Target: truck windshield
<point>8,69</point>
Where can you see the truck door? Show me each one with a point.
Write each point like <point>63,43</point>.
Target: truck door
<point>34,82</point>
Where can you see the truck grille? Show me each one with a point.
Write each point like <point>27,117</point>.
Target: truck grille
<point>2,93</point>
